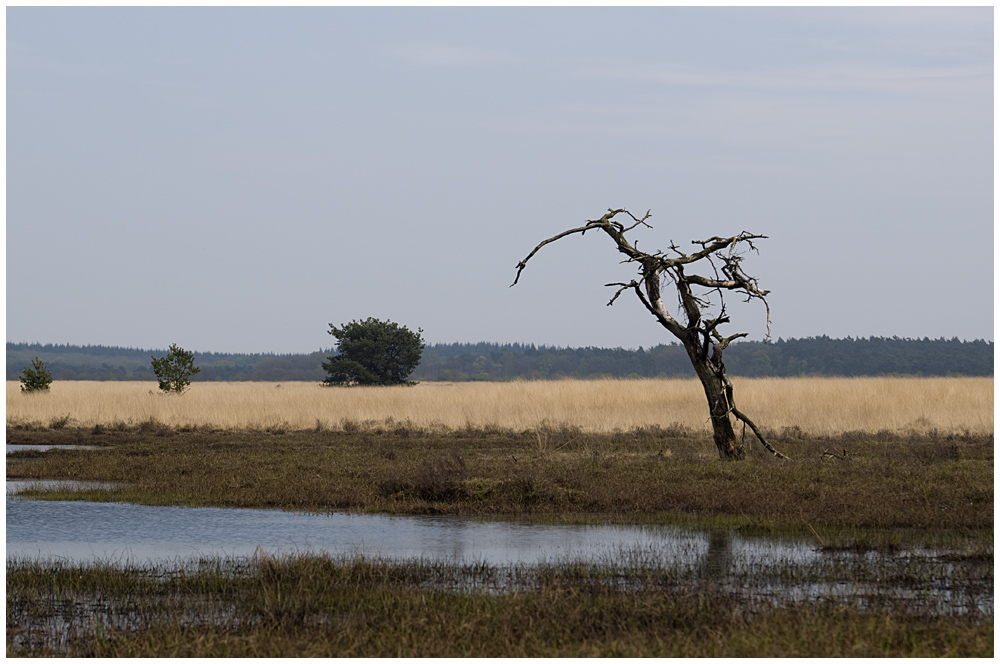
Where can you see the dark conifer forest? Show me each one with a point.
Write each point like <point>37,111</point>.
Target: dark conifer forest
<point>483,361</point>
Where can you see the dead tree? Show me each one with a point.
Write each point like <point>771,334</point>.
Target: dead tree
<point>699,333</point>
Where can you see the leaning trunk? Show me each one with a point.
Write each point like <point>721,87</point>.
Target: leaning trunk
<point>718,406</point>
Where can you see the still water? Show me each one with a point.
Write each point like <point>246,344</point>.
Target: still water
<point>42,448</point>
<point>81,531</point>
<point>769,569</point>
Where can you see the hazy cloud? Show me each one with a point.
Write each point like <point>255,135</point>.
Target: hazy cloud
<point>451,55</point>
<point>831,78</point>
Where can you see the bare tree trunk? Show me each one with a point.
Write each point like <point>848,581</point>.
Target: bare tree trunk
<point>719,407</point>
<point>698,333</point>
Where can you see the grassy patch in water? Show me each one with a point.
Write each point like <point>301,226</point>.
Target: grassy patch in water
<point>883,482</point>
<point>318,606</point>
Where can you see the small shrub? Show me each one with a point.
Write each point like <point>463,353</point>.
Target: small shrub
<point>175,369</point>
<point>36,379</point>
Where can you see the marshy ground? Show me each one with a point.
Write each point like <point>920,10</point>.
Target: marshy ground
<point>906,512</point>
<point>318,606</point>
<point>857,480</point>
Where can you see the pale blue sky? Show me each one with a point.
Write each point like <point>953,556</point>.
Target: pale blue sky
<point>236,179</point>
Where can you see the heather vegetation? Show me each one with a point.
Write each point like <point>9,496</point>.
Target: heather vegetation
<point>852,480</point>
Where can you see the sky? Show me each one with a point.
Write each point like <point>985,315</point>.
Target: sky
<point>236,179</point>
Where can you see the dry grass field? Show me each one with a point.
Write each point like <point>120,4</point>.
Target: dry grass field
<point>818,406</point>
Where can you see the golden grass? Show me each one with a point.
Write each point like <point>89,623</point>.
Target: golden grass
<point>818,406</point>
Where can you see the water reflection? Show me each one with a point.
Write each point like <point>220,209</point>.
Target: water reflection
<point>13,486</point>
<point>719,557</point>
<point>78,531</point>
<point>81,531</point>
<point>45,448</point>
<point>766,568</point>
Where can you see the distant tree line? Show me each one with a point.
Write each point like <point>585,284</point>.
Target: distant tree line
<point>819,356</point>
<point>67,362</point>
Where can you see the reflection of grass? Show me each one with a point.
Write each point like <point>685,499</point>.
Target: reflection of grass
<point>885,481</point>
<point>316,606</point>
<point>882,541</point>
<point>809,406</point>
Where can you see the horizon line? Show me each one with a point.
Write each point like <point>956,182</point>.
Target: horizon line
<point>510,343</point>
